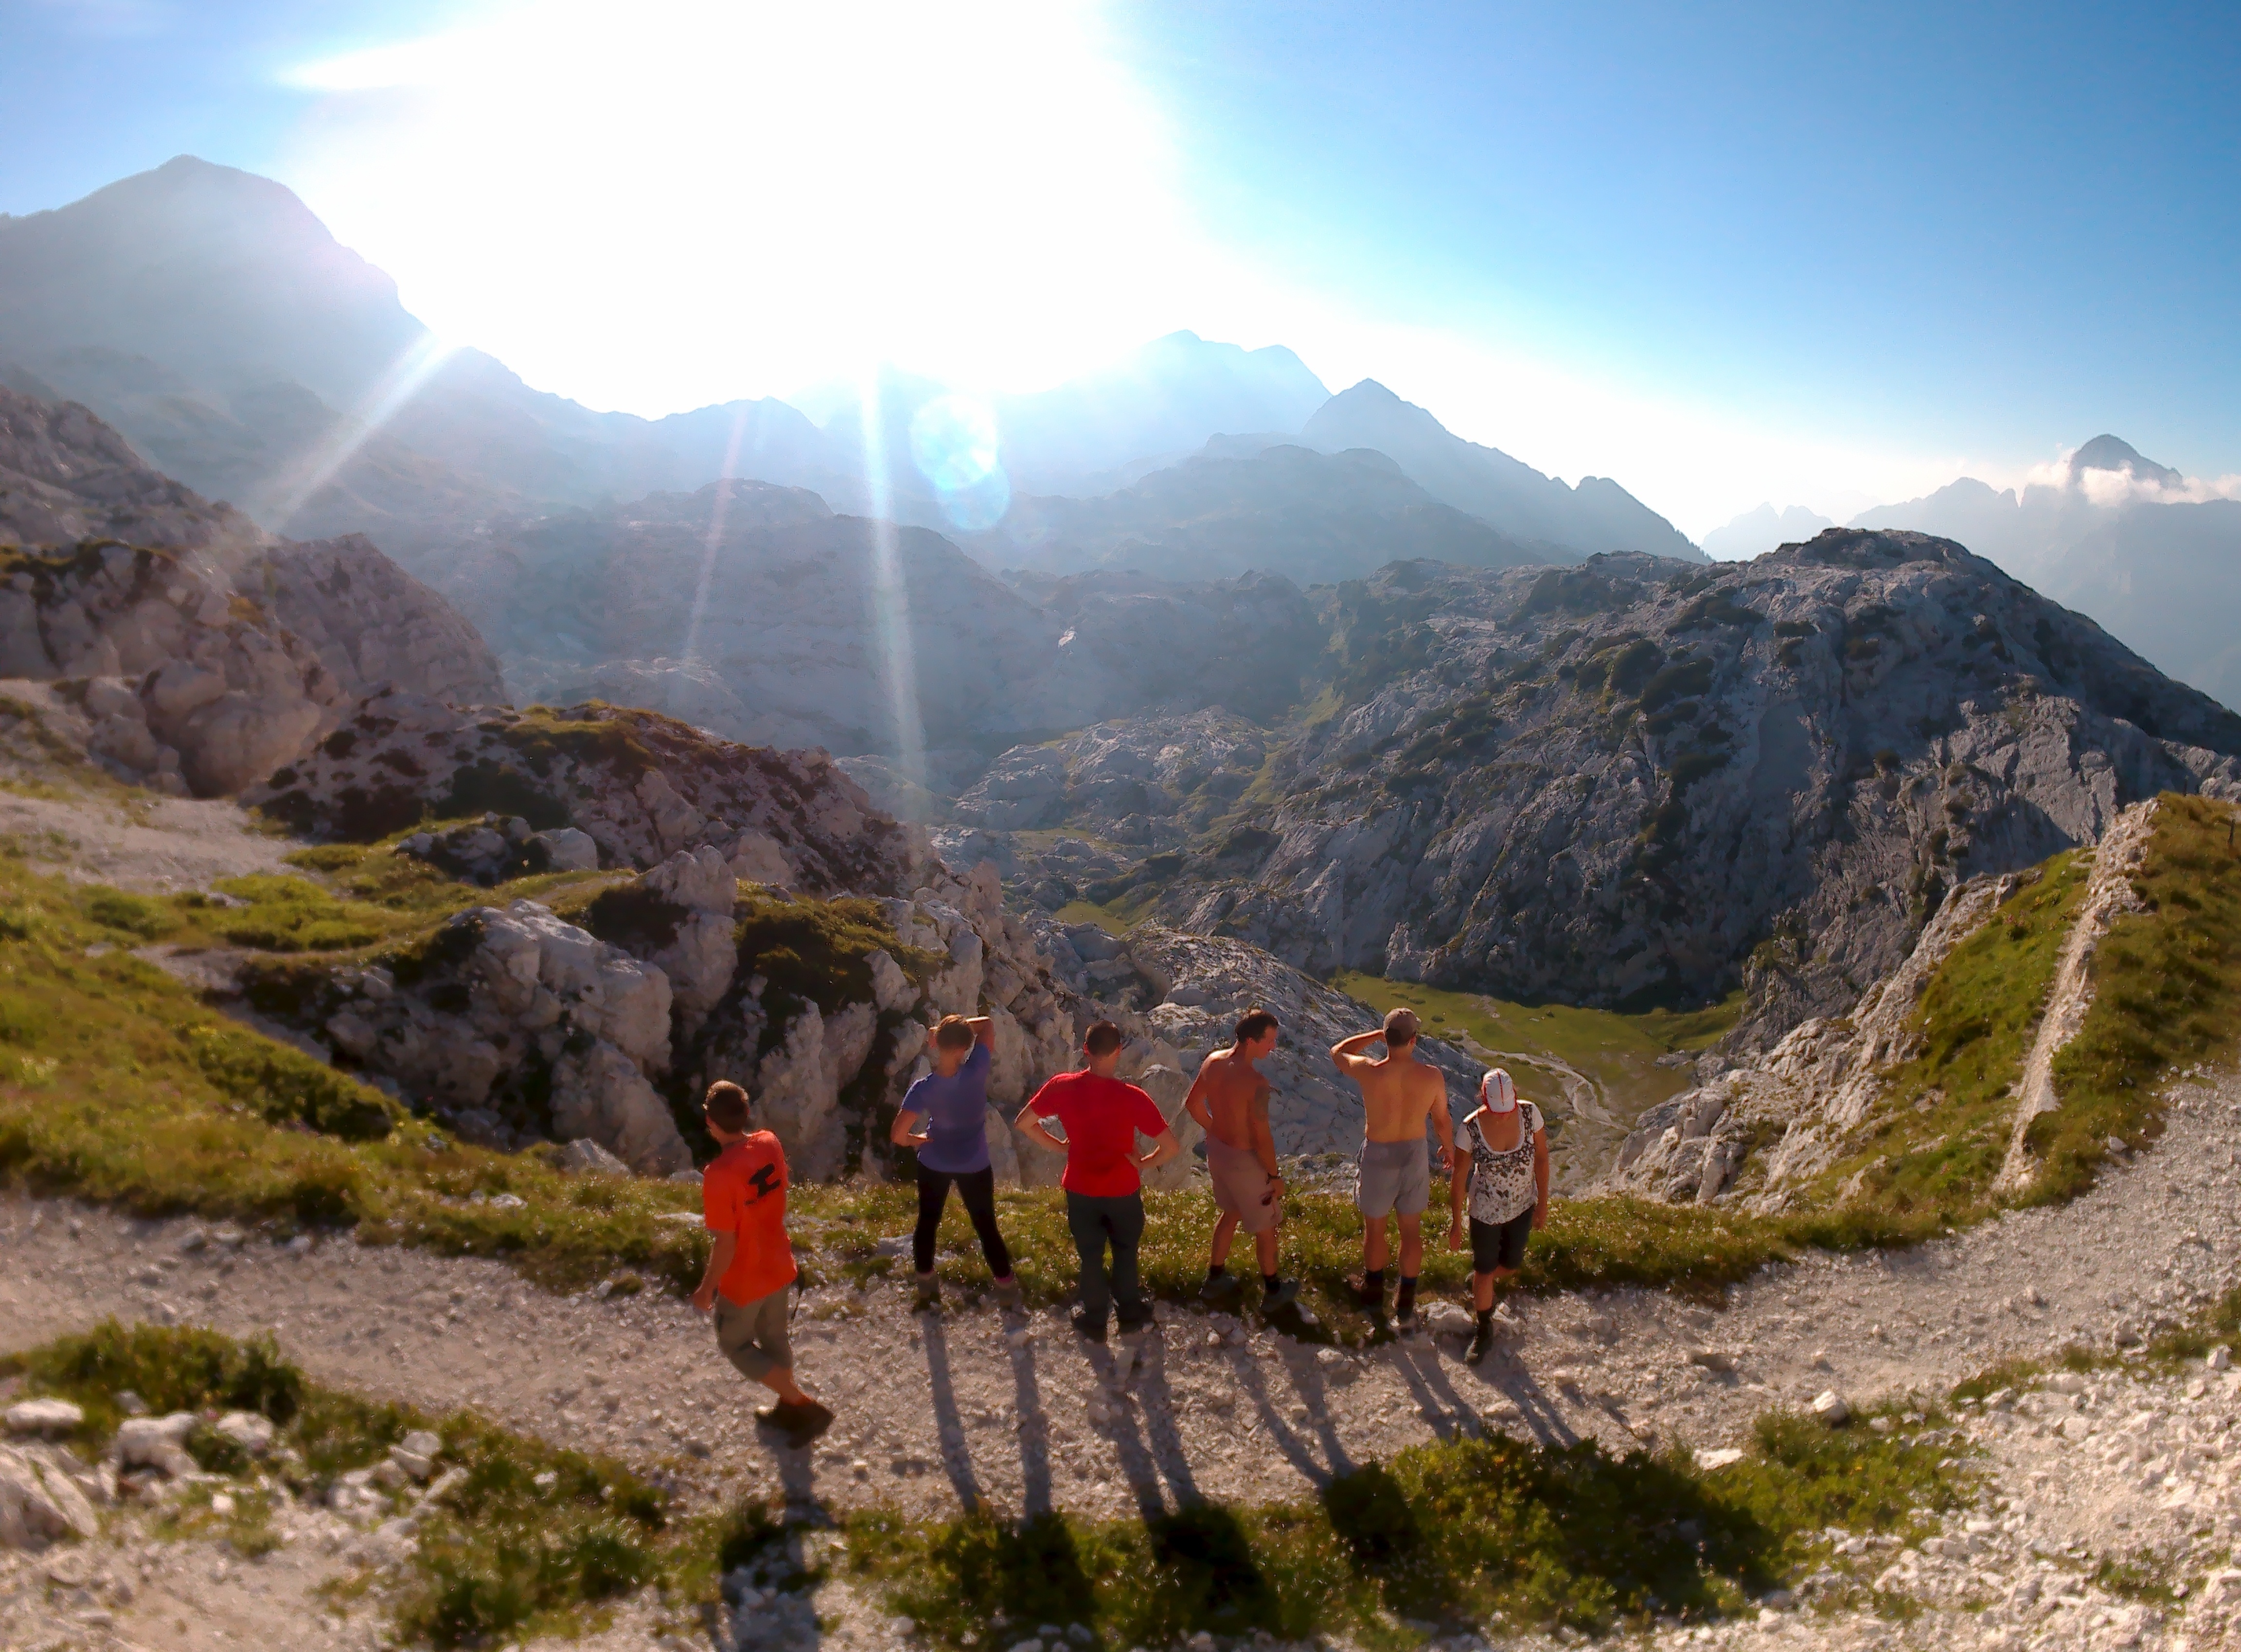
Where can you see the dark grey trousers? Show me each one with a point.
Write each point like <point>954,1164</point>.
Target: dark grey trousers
<point>1118,1222</point>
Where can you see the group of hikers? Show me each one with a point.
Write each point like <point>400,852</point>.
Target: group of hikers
<point>1497,1178</point>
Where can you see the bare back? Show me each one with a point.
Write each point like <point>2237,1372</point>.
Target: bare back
<point>1398,1093</point>
<point>1236,1097</point>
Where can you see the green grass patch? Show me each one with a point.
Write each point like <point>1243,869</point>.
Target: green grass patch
<point>2166,982</point>
<point>1111,919</point>
<point>117,1084</point>
<point>1939,1132</point>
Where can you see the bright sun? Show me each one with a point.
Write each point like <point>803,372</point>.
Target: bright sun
<point>669,204</point>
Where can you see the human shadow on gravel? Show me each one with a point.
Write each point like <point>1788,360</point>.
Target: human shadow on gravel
<point>1152,1457</point>
<point>1437,1403</point>
<point>1033,1430</point>
<point>1307,1379</point>
<point>1540,1414</point>
<point>949,1425</point>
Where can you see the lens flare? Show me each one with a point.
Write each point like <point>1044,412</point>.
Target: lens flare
<point>891,598</point>
<point>957,447</point>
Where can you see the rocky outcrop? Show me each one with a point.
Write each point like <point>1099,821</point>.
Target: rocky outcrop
<point>1808,1096</point>
<point>373,625</point>
<point>65,476</point>
<point>67,479</point>
<point>1815,1084</point>
<point>1636,778</point>
<point>643,786</point>
<point>186,684</point>
<point>517,1025</point>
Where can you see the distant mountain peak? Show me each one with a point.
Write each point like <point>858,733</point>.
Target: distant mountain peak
<point>2106,452</point>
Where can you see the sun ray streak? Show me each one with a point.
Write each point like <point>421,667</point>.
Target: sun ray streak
<point>726,480</point>
<point>279,496</point>
<point>891,598</point>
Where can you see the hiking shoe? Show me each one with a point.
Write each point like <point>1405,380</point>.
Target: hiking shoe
<point>1286,1292</point>
<point>1085,1326</point>
<point>808,1422</point>
<point>1219,1287</point>
<point>1372,1298</point>
<point>1404,1318</point>
<point>1481,1341</point>
<point>929,1293</point>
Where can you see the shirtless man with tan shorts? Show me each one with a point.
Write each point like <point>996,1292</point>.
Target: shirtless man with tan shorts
<point>1230,1101</point>
<point>1399,1093</point>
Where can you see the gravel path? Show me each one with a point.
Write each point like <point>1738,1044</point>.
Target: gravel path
<point>153,843</point>
<point>946,1411</point>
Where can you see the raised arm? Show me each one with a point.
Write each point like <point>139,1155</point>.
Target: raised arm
<point>984,1031</point>
<point>1348,1052</point>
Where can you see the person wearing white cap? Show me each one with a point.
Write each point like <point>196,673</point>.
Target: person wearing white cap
<point>1504,1182</point>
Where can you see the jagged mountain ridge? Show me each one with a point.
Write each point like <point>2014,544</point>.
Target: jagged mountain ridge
<point>209,316</point>
<point>1636,779</point>
<point>2141,548</point>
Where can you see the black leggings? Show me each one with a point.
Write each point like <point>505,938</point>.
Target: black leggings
<point>978,1189</point>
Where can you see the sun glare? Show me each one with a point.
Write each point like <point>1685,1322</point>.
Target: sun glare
<point>666,204</point>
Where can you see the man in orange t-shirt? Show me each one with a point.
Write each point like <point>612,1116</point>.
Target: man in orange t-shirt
<point>743,1201</point>
<point>1102,1116</point>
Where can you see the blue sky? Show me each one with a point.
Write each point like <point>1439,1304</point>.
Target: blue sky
<point>1724,253</point>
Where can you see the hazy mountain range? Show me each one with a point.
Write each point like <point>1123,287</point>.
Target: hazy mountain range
<point>209,316</point>
<point>2150,553</point>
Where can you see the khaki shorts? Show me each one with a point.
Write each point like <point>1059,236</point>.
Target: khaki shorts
<point>753,1336</point>
<point>1242,1187</point>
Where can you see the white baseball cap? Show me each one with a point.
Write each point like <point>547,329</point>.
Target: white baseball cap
<point>1497,1090</point>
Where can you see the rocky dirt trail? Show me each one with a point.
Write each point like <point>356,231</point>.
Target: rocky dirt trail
<point>944,1411</point>
<point>148,843</point>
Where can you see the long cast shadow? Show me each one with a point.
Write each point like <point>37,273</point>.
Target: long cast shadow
<point>1034,1431</point>
<point>1151,1445</point>
<point>956,1454</point>
<point>1307,1382</point>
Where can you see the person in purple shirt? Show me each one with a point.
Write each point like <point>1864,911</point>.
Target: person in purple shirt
<point>953,1148</point>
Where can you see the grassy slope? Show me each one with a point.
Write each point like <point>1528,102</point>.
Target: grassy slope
<point>1463,1531</point>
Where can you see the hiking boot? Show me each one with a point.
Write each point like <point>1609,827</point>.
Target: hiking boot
<point>1281,1296</point>
<point>1481,1341</point>
<point>806,1422</point>
<point>1371,1296</point>
<point>1007,1292</point>
<point>1219,1287</point>
<point>929,1293</point>
<point>1093,1330</point>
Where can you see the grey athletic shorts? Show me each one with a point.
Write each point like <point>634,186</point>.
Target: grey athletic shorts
<point>1396,1178</point>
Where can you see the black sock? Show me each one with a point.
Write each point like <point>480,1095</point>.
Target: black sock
<point>1405,1298</point>
<point>1372,1279</point>
<point>1485,1318</point>
<point>1269,1282</point>
<point>1215,1270</point>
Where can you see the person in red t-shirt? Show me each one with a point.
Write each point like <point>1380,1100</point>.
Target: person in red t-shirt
<point>751,1266</point>
<point>1103,1181</point>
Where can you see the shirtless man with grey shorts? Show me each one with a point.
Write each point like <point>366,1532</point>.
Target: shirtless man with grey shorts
<point>1399,1093</point>
<point>1230,1102</point>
